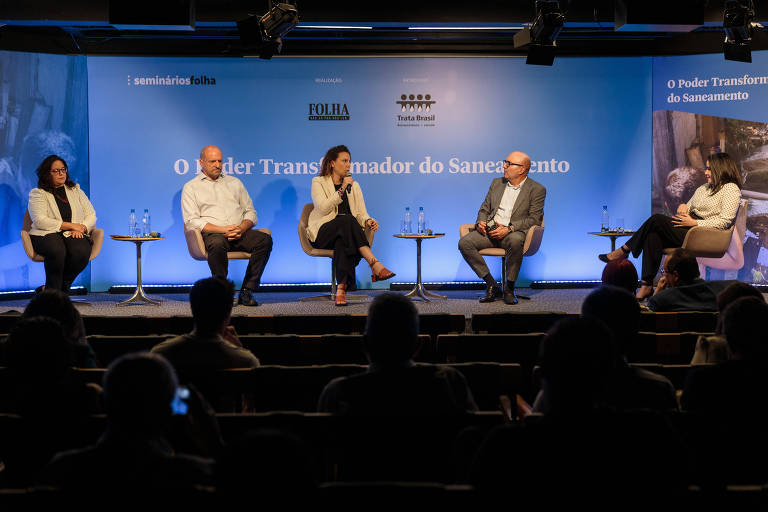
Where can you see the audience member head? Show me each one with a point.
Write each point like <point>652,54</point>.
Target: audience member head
<point>56,304</point>
<point>736,291</point>
<point>211,303</point>
<point>576,357</point>
<point>392,330</point>
<point>732,293</point>
<point>680,268</point>
<point>36,350</point>
<point>265,462</point>
<point>138,390</point>
<point>618,309</point>
<point>743,327</point>
<point>621,273</point>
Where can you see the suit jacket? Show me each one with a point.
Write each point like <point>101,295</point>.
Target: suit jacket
<point>327,202</point>
<point>45,215</point>
<point>529,207</point>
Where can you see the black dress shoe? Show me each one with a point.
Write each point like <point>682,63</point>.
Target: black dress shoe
<point>509,296</point>
<point>603,258</point>
<point>246,299</point>
<point>491,292</point>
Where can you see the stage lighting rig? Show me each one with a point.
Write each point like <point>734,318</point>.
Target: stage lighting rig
<point>738,23</point>
<point>540,37</point>
<point>265,33</point>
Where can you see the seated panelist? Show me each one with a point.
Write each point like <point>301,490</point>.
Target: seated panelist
<point>338,220</point>
<point>512,205</point>
<point>62,218</point>
<point>713,205</point>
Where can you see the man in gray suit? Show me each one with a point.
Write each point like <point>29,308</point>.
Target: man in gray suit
<point>513,204</point>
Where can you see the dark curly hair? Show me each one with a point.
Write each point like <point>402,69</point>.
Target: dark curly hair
<point>44,180</point>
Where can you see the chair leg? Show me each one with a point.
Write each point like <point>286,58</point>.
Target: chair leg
<point>503,273</point>
<point>332,295</point>
<point>326,296</point>
<point>82,302</point>
<point>504,277</point>
<point>503,283</point>
<point>350,296</point>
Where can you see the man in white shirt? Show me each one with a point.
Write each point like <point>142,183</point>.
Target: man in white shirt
<point>513,204</point>
<point>219,206</point>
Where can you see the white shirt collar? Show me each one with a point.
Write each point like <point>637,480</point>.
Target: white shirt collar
<point>517,187</point>
<point>202,176</point>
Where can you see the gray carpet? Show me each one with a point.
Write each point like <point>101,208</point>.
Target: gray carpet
<point>287,303</point>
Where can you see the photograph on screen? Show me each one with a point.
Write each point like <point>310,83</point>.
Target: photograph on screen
<point>682,142</point>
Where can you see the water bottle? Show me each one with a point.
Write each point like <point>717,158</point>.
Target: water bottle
<point>407,220</point>
<point>133,230</point>
<point>145,227</point>
<point>604,220</point>
<point>420,221</point>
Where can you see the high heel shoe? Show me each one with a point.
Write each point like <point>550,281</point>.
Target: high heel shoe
<point>618,254</point>
<point>341,296</point>
<point>382,274</point>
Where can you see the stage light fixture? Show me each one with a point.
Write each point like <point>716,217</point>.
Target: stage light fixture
<point>540,37</point>
<point>738,19</point>
<point>264,34</point>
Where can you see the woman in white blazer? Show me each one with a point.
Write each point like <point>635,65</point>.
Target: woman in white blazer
<point>62,218</point>
<point>338,220</point>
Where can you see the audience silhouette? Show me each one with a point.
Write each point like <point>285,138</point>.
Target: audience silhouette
<point>134,453</point>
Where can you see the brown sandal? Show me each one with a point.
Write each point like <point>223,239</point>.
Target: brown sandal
<point>382,275</point>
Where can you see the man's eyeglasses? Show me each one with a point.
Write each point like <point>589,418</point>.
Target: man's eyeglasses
<point>507,163</point>
<point>63,170</point>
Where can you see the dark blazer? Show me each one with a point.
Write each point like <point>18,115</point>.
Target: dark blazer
<point>529,207</point>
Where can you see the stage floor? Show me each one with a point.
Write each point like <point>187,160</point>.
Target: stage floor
<point>287,303</point>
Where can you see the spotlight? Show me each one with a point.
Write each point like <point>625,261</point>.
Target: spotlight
<point>540,37</point>
<point>737,25</point>
<point>265,33</point>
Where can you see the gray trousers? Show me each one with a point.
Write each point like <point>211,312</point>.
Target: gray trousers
<point>473,242</point>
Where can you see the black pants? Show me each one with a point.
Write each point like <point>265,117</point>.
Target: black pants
<point>656,234</point>
<point>345,236</point>
<point>65,258</point>
<point>258,244</point>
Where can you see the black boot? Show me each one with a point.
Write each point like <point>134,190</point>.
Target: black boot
<point>509,293</point>
<point>491,293</point>
<point>246,299</point>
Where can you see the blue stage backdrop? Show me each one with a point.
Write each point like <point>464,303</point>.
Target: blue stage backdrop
<point>43,110</point>
<point>585,122</point>
<point>704,104</point>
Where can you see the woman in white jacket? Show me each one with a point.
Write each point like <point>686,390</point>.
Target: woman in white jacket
<point>62,218</point>
<point>339,219</point>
